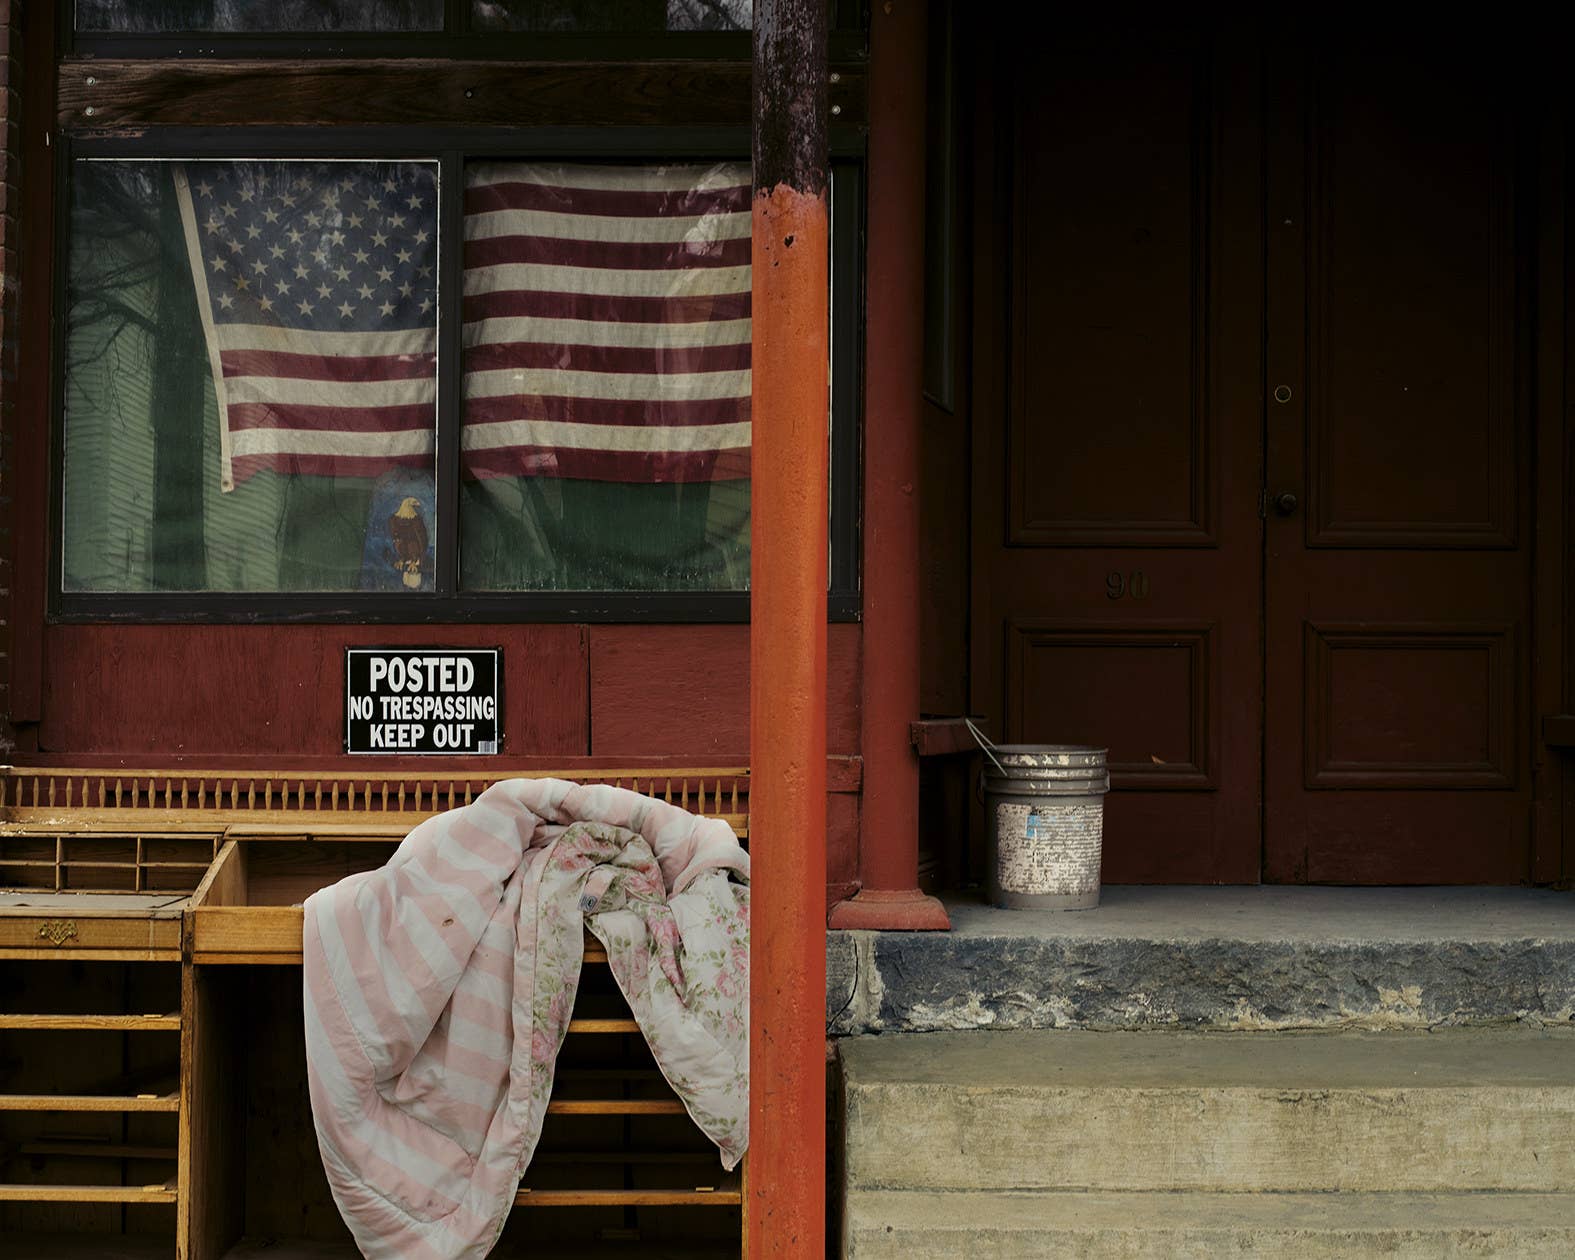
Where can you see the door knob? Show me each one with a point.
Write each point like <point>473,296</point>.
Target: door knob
<point>1285,504</point>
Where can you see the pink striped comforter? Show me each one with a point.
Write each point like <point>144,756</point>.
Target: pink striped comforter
<point>438,991</point>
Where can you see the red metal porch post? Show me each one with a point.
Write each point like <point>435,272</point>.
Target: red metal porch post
<point>889,895</point>
<point>786,1206</point>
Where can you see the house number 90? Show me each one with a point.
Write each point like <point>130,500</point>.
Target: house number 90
<point>1132,585</point>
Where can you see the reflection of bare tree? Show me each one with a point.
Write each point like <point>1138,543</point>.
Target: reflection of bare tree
<point>613,15</point>
<point>234,16</point>
<point>114,209</point>
<point>710,15</point>
<point>128,276</point>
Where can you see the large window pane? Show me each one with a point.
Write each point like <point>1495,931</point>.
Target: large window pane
<point>612,15</point>
<point>250,384</point>
<point>142,17</point>
<point>606,329</point>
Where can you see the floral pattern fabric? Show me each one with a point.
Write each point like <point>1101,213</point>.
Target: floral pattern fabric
<point>439,988</point>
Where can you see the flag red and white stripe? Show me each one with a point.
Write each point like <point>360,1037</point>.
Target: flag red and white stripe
<point>606,321</point>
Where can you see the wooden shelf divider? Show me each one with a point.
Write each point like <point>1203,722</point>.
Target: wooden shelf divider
<point>603,1026</point>
<point>90,1102</point>
<point>625,1156</point>
<point>615,1107</point>
<point>718,1197</point>
<point>161,1193</point>
<point>91,1023</point>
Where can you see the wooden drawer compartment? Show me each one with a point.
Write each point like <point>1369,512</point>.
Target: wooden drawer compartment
<point>126,926</point>
<point>248,907</point>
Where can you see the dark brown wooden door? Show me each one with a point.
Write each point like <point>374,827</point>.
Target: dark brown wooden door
<point>1398,592</point>
<point>1117,542</point>
<point>1252,447</point>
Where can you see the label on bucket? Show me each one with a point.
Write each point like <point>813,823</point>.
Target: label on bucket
<point>1049,850</point>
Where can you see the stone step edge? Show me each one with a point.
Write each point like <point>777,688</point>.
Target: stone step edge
<point>934,982</point>
<point>916,1226</point>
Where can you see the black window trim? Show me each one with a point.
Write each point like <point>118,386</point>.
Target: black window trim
<point>449,147</point>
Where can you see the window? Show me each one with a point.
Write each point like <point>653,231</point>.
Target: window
<point>606,434</point>
<point>250,376</point>
<point>418,371</point>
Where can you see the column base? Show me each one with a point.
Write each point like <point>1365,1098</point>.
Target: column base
<point>889,910</point>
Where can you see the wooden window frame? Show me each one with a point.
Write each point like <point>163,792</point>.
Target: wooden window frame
<point>295,98</point>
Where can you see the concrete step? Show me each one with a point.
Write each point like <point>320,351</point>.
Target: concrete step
<point>1456,1110</point>
<point>1247,959</point>
<point>922,1225</point>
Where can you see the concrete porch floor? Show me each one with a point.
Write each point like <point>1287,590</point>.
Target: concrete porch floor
<point>1243,958</point>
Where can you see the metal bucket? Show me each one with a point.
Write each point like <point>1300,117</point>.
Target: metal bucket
<point>1046,809</point>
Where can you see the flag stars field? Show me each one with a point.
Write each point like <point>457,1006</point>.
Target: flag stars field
<point>323,340</point>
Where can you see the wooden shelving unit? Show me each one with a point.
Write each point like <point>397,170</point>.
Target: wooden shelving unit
<point>180,896</point>
<point>89,1100</point>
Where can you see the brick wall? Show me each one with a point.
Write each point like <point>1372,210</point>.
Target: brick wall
<point>10,166</point>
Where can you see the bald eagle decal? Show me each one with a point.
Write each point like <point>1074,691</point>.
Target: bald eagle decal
<point>397,554</point>
<point>408,533</point>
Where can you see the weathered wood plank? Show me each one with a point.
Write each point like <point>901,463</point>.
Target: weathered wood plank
<point>42,931</point>
<point>89,955</point>
<point>246,930</point>
<point>88,1194</point>
<point>103,1023</point>
<point>697,1197</point>
<point>942,737</point>
<point>90,1102</point>
<point>124,95</point>
<point>210,1174</point>
<point>603,1026</point>
<point>615,1107</point>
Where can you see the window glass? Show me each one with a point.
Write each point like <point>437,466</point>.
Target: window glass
<point>606,433</point>
<point>140,17</point>
<point>250,387</point>
<point>612,15</point>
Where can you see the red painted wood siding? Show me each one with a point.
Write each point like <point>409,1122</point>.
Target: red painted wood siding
<point>697,677</point>
<point>274,695</point>
<point>277,691</point>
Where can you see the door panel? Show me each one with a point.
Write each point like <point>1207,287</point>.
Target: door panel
<point>1143,692</point>
<point>1398,585</point>
<point>1117,544</point>
<point>1410,339</point>
<point>1108,314</point>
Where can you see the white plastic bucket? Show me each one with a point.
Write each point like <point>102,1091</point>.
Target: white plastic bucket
<point>1046,809</point>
